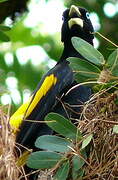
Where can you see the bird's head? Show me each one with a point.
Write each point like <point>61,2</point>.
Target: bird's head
<point>76,22</point>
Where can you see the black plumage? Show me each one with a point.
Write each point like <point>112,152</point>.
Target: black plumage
<point>80,94</point>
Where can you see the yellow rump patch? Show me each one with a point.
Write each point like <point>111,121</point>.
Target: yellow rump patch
<point>26,109</point>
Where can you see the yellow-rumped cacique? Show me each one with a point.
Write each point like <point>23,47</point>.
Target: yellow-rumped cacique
<point>54,83</point>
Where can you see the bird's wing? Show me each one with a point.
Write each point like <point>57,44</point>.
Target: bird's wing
<point>27,108</point>
<point>41,103</point>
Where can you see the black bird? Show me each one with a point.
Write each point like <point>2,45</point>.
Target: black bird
<point>76,23</point>
<point>54,83</point>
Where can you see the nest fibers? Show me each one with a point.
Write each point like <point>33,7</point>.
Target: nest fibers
<point>8,169</point>
<point>100,115</point>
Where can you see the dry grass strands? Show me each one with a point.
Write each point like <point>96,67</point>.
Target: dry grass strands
<point>99,117</point>
<point>104,76</point>
<point>8,169</point>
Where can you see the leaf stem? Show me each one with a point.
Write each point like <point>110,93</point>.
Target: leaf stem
<point>106,39</point>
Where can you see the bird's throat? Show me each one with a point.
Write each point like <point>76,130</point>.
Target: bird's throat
<point>69,51</point>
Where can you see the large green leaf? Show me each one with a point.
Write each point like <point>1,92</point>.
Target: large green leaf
<point>112,62</point>
<point>84,68</point>
<point>43,159</point>
<point>80,78</point>
<point>62,172</point>
<point>88,51</point>
<point>62,126</point>
<point>53,143</point>
<point>82,65</point>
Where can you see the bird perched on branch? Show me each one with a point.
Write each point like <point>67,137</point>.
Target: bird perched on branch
<point>54,83</point>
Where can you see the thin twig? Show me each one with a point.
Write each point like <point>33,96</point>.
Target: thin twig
<point>106,39</point>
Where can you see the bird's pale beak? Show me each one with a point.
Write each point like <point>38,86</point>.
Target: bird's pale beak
<point>75,20</point>
<point>73,10</point>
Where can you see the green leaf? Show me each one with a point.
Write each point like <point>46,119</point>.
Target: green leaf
<point>4,28</point>
<point>80,78</point>
<point>112,62</point>
<point>43,159</point>
<point>86,141</point>
<point>4,37</point>
<point>53,143</point>
<point>62,126</point>
<point>88,51</point>
<point>84,67</point>
<point>81,174</point>
<point>112,59</point>
<point>62,172</point>
<point>77,164</point>
<point>3,1</point>
<point>115,129</point>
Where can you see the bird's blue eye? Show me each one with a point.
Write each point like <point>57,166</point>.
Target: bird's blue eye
<point>87,15</point>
